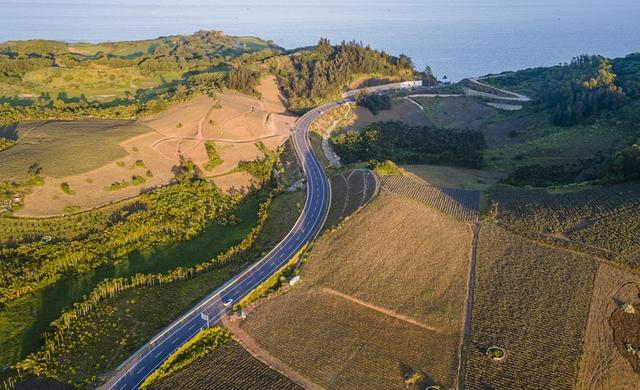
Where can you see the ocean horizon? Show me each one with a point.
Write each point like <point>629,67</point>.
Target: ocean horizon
<point>457,39</point>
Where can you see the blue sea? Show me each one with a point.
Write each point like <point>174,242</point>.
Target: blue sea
<point>458,38</point>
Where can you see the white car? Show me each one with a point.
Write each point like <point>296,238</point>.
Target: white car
<point>228,302</point>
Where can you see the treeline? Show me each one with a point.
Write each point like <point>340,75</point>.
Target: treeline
<point>620,166</point>
<point>55,341</point>
<point>575,91</point>
<point>173,213</point>
<point>405,144</point>
<point>312,76</point>
<point>374,102</point>
<point>244,79</point>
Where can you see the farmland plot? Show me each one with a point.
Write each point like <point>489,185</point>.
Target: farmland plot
<point>607,218</point>
<point>228,367</point>
<point>369,308</point>
<point>533,302</point>
<point>349,192</point>
<point>602,365</point>
<point>460,204</point>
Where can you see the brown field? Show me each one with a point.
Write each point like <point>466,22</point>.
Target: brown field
<point>532,301</point>
<point>602,365</point>
<point>349,192</point>
<point>369,308</point>
<point>228,367</point>
<point>401,110</point>
<point>370,81</point>
<point>454,177</point>
<point>158,141</point>
<point>463,205</point>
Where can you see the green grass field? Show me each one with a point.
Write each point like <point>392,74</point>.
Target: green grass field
<point>67,148</point>
<point>98,83</point>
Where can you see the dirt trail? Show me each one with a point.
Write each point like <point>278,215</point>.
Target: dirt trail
<point>382,310</point>
<point>249,344</point>
<point>468,307</point>
<point>516,96</point>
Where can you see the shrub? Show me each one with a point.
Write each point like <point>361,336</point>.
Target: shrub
<point>66,188</point>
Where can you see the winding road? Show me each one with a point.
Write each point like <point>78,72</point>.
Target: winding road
<point>131,373</point>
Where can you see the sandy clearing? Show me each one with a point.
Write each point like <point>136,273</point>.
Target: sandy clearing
<point>188,114</point>
<point>235,182</point>
<point>237,126</point>
<point>602,366</point>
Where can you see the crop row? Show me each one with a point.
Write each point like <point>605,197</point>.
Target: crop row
<point>228,367</point>
<point>541,211</point>
<point>460,204</point>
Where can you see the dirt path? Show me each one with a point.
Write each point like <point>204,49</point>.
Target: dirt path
<point>468,306</point>
<point>516,96</point>
<point>249,344</point>
<point>382,310</point>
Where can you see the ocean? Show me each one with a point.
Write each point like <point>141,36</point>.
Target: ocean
<point>456,38</point>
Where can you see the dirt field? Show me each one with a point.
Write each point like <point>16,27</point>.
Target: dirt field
<point>228,367</point>
<point>453,177</point>
<point>401,110</point>
<point>90,161</point>
<point>370,308</point>
<point>602,366</point>
<point>532,301</point>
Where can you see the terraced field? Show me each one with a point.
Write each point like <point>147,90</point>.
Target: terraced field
<point>532,301</point>
<point>349,192</point>
<point>228,367</point>
<point>460,204</point>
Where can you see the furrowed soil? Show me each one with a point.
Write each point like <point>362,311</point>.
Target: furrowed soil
<point>602,365</point>
<point>228,367</point>
<point>532,301</point>
<point>349,192</point>
<point>371,309</point>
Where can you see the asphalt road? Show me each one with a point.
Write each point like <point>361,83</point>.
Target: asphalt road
<point>137,367</point>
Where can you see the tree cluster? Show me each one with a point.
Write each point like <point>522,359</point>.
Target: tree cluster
<point>312,76</point>
<point>405,144</point>
<point>374,102</point>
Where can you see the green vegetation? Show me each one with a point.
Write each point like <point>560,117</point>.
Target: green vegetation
<point>174,213</point>
<point>214,158</point>
<point>201,344</point>
<point>6,143</point>
<point>140,164</point>
<point>410,145</point>
<point>309,77</point>
<point>244,79</point>
<point>261,168</point>
<point>80,146</point>
<point>121,314</point>
<point>571,92</point>
<point>66,188</point>
<point>44,79</point>
<point>384,168</point>
<point>136,180</point>
<point>374,102</point>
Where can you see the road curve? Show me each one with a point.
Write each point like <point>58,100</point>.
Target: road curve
<point>131,373</point>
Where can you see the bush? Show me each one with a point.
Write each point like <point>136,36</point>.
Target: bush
<point>384,168</point>
<point>65,188</point>
<point>375,103</point>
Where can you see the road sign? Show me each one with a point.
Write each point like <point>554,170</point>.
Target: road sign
<point>205,317</point>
